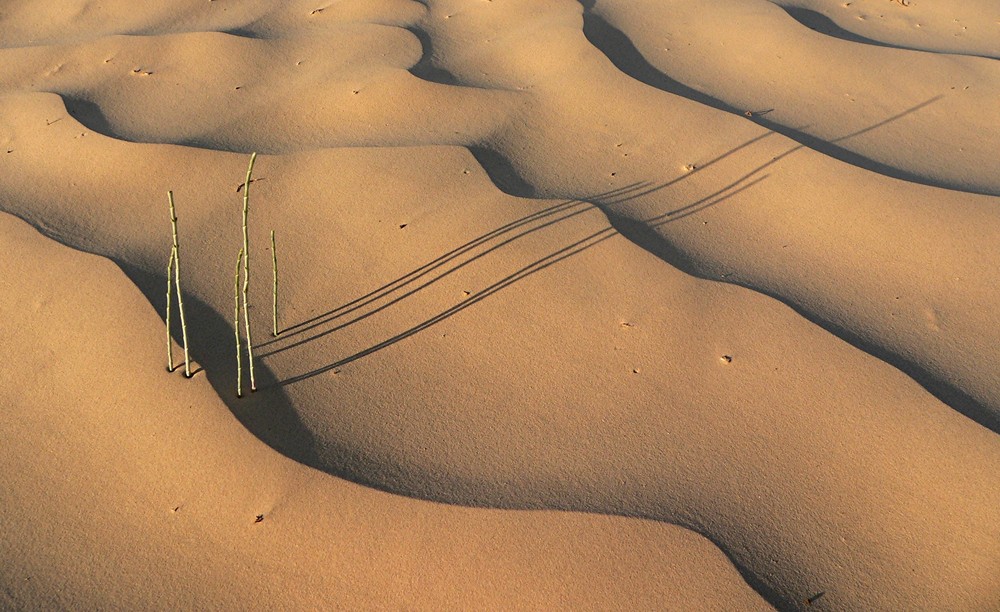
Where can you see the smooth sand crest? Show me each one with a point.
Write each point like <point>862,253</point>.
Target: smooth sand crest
<point>602,256</point>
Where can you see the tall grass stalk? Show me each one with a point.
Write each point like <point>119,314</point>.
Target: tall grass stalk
<point>177,284</point>
<point>246,270</point>
<point>274,287</point>
<point>170,288</point>
<point>236,325</point>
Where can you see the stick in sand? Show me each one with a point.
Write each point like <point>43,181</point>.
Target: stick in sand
<point>246,269</point>
<point>177,284</point>
<point>236,326</point>
<point>170,280</point>
<point>274,288</point>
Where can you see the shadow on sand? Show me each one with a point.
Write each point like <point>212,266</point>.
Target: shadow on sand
<point>620,50</point>
<point>642,232</point>
<point>268,415</point>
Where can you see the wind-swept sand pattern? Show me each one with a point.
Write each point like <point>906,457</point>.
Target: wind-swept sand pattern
<point>718,275</point>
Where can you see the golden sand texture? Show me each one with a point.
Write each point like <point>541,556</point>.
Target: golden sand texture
<point>598,304</point>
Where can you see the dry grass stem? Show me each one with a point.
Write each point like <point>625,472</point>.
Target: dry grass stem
<point>274,288</point>
<point>177,284</point>
<point>170,280</point>
<point>236,325</point>
<point>246,271</point>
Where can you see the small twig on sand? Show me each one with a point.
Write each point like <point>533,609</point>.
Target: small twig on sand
<point>236,326</point>
<point>246,270</point>
<point>274,290</point>
<point>170,287</point>
<point>177,284</point>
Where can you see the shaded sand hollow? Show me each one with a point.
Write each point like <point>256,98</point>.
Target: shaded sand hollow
<point>643,304</point>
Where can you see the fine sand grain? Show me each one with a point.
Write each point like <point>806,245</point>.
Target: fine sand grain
<point>640,304</point>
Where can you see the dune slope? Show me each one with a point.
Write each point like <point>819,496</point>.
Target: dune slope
<point>654,260</point>
<point>117,498</point>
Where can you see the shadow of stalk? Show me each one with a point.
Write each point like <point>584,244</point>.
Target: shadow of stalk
<point>422,271</point>
<point>643,233</point>
<point>268,414</point>
<point>628,228</point>
<point>535,221</point>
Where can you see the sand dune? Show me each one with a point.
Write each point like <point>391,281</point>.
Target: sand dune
<point>718,275</point>
<point>118,499</point>
<point>872,105</point>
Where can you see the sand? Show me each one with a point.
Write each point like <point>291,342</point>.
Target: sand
<point>583,305</point>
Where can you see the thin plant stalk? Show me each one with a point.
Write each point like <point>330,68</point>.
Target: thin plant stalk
<point>246,270</point>
<point>274,287</point>
<point>177,284</point>
<point>236,326</point>
<point>170,280</point>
